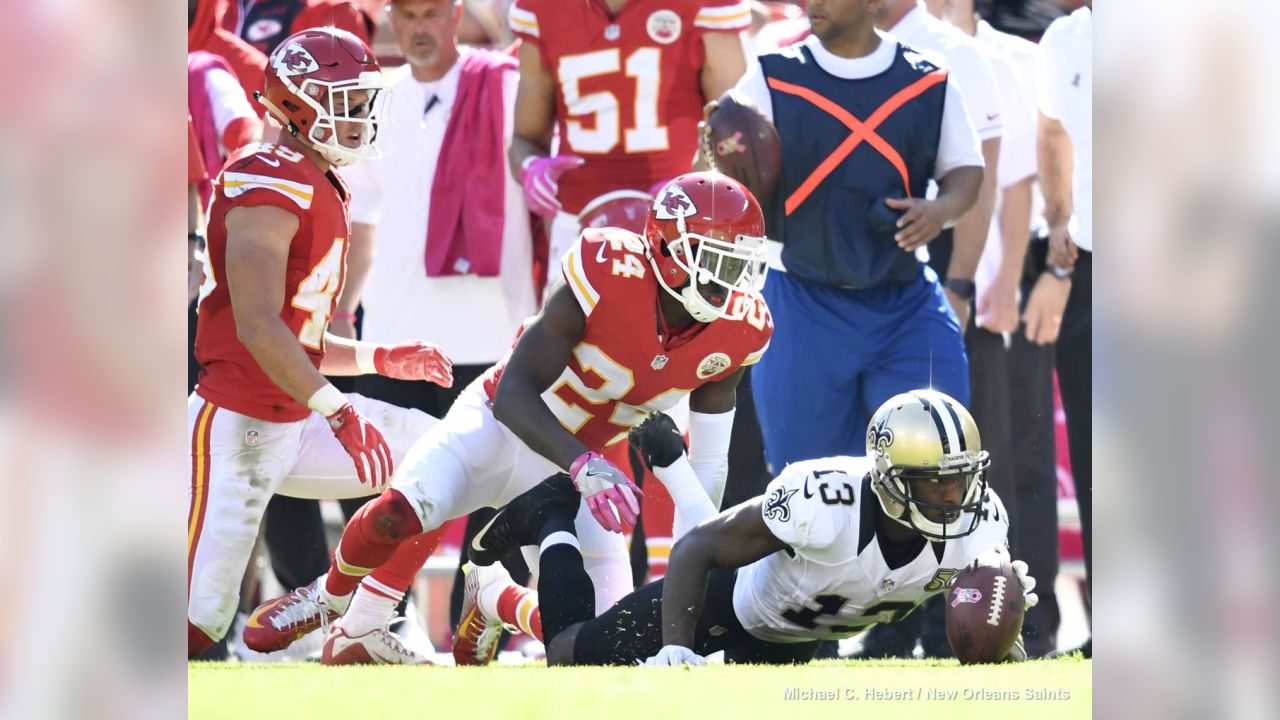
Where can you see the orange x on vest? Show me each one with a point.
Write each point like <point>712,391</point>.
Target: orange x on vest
<point>858,131</point>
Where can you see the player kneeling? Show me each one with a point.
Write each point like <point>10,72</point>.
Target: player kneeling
<point>812,559</point>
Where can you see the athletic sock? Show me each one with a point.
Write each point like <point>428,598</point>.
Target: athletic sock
<point>369,540</point>
<point>371,608</point>
<point>514,605</point>
<point>566,596</point>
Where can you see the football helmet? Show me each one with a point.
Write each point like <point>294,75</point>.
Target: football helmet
<point>927,435</point>
<point>706,243</point>
<point>319,78</point>
<point>626,209</point>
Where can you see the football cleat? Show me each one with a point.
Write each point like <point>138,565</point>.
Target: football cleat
<point>376,647</point>
<point>476,642</point>
<point>518,523</point>
<point>276,624</point>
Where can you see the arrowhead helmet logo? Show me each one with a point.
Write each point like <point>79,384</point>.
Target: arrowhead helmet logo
<point>674,203</point>
<point>293,59</point>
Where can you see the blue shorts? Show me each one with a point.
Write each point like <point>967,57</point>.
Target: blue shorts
<point>837,354</point>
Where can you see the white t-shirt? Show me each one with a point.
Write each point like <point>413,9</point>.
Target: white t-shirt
<point>1066,94</point>
<point>957,145</point>
<point>473,318</point>
<point>969,68</point>
<point>836,581</point>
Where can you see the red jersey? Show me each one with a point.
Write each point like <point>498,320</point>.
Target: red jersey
<point>625,367</point>
<point>272,175</point>
<point>628,95</point>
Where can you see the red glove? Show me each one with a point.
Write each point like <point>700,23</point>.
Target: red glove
<point>414,361</point>
<point>364,444</point>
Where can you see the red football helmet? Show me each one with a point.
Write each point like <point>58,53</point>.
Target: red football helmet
<point>320,78</point>
<point>706,243</point>
<point>626,209</point>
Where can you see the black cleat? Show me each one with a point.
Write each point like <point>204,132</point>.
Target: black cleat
<point>521,521</point>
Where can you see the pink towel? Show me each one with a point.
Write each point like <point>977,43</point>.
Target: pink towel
<point>200,107</point>
<point>464,231</point>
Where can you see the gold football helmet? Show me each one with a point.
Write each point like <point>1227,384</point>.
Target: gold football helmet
<point>925,435</point>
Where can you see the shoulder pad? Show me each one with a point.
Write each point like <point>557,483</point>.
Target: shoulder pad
<point>600,258</point>
<point>271,169</point>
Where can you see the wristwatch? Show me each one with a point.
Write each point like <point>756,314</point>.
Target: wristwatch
<point>965,289</point>
<point>1058,272</point>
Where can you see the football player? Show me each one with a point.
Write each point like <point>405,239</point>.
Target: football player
<point>638,324</point>
<point>622,83</point>
<point>263,419</point>
<point>833,547</point>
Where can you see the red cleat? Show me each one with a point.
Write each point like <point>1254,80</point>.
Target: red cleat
<point>276,624</point>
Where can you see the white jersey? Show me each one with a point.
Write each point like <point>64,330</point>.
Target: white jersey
<point>835,581</point>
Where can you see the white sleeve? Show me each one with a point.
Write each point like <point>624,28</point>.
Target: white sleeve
<point>753,85</point>
<point>1018,145</point>
<point>1048,89</point>
<point>366,196</point>
<point>972,74</point>
<point>958,144</point>
<point>226,98</point>
<point>805,524</point>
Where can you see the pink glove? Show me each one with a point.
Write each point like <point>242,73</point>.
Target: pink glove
<point>540,176</point>
<point>610,494</point>
<point>415,360</point>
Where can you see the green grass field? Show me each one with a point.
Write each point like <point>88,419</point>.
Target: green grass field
<point>1042,689</point>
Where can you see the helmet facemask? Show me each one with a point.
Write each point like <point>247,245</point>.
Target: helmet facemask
<point>892,486</point>
<point>728,270</point>
<point>361,102</point>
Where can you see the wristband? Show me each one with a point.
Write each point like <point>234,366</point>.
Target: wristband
<point>964,289</point>
<point>1059,272</point>
<point>327,400</point>
<point>343,315</point>
<point>364,358</point>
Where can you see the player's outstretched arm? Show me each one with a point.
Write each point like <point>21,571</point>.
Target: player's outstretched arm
<point>538,360</point>
<point>735,538</point>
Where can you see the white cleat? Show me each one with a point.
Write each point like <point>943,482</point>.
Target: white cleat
<point>376,647</point>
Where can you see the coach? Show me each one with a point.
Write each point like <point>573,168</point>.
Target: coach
<point>865,123</point>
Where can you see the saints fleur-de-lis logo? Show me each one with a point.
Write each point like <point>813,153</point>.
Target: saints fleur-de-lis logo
<point>879,436</point>
<point>778,507</point>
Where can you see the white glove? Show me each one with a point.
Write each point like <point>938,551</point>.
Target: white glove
<point>675,655</point>
<point>1027,582</point>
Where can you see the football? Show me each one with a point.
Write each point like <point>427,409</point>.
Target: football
<point>984,610</point>
<point>743,144</point>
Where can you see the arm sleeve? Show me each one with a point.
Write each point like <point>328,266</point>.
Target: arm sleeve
<point>958,145</point>
<point>723,16</point>
<point>574,270</point>
<point>972,74</point>
<point>523,22</point>
<point>226,99</point>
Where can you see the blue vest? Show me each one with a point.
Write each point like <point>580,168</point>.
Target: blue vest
<point>841,233</point>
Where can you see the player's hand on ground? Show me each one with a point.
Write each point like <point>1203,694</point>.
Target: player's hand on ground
<point>1043,315</point>
<point>1027,582</point>
<point>1062,249</point>
<point>610,494</point>
<point>364,444</point>
<point>540,176</point>
<point>658,440</point>
<point>415,360</point>
<point>921,222</point>
<point>675,655</point>
<point>997,309</point>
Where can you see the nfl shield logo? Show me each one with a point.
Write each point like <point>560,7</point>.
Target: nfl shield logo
<point>251,437</point>
<point>659,362</point>
<point>887,585</point>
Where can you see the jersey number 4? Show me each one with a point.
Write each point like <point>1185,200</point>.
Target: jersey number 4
<point>600,135</point>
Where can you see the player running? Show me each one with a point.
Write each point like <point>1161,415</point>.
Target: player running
<point>814,558</point>
<point>263,419</point>
<point>639,323</point>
